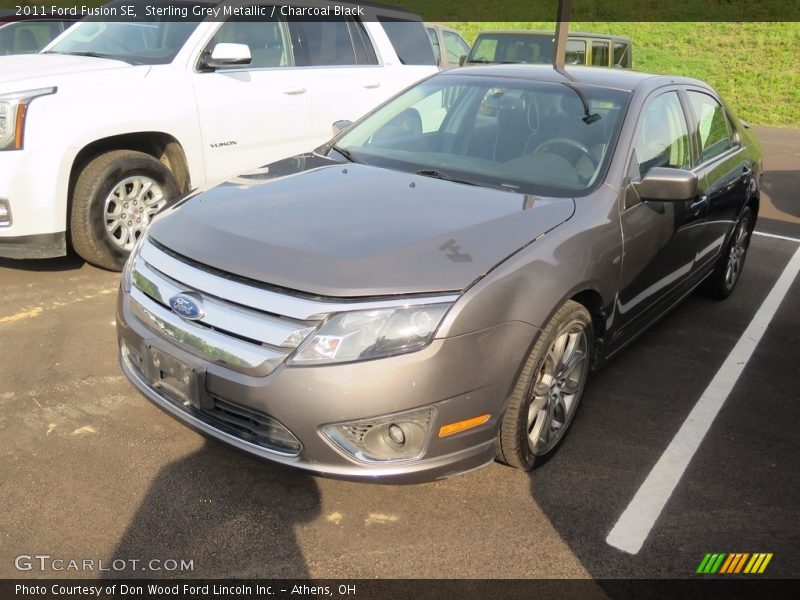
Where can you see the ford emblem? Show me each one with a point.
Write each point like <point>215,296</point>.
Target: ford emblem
<point>187,307</point>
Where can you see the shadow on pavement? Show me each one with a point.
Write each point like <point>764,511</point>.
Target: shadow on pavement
<point>233,515</point>
<point>62,263</point>
<point>781,187</point>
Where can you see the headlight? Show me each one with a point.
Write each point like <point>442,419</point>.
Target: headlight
<point>354,336</point>
<point>13,109</point>
<point>127,270</point>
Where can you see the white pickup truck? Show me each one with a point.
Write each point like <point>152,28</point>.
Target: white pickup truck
<point>114,120</point>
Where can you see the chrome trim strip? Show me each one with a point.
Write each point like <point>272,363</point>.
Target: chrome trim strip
<point>302,309</point>
<point>244,322</point>
<point>203,342</point>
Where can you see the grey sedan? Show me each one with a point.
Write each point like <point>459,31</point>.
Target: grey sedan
<point>430,291</point>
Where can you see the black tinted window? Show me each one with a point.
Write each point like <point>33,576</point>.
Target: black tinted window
<point>332,42</point>
<point>410,41</point>
<point>713,133</point>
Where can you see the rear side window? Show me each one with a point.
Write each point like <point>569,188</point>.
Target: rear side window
<point>410,41</point>
<point>600,54</point>
<point>576,52</point>
<point>622,57</point>
<point>663,138</point>
<point>713,130</point>
<point>332,42</point>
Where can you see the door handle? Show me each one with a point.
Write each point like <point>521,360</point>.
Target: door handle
<point>371,85</point>
<point>699,203</point>
<point>295,91</point>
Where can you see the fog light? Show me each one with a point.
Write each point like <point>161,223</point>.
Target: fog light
<point>396,434</point>
<point>5,213</point>
<point>401,436</point>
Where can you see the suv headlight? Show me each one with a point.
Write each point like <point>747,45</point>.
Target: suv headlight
<point>13,110</point>
<point>363,335</point>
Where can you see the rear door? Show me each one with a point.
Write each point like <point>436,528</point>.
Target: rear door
<point>345,78</point>
<point>725,168</point>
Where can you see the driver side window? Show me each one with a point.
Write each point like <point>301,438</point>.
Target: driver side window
<point>663,138</point>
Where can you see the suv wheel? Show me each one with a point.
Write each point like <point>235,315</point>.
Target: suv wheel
<point>549,389</point>
<point>115,197</point>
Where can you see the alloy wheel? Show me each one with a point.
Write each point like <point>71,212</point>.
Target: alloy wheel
<point>129,207</point>
<point>557,389</point>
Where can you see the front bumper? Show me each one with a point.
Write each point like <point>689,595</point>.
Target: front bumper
<point>460,377</point>
<point>31,185</point>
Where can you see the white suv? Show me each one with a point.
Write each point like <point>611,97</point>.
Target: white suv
<point>114,120</point>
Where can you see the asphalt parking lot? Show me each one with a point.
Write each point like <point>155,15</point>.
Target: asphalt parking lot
<point>91,470</point>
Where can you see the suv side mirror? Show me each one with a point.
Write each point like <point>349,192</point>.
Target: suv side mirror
<point>339,126</point>
<point>462,59</point>
<point>667,185</point>
<point>228,55</point>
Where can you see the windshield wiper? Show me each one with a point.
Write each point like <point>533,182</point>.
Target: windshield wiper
<point>346,153</point>
<point>96,55</point>
<point>445,177</point>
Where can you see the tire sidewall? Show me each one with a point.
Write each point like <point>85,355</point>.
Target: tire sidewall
<point>558,325</point>
<point>120,169</point>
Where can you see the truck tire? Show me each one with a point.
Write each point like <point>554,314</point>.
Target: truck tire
<point>548,389</point>
<point>115,197</point>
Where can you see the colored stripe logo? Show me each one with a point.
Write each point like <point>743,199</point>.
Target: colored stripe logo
<point>734,563</point>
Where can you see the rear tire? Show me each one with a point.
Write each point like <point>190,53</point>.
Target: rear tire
<point>548,390</point>
<point>115,197</point>
<point>722,281</point>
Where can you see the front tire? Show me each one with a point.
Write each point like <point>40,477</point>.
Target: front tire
<point>548,390</point>
<point>115,197</point>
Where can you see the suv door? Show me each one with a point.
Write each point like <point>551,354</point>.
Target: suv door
<point>659,237</point>
<point>724,167</point>
<point>252,114</point>
<point>455,47</point>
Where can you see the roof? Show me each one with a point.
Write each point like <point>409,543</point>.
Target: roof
<point>539,32</point>
<point>622,79</point>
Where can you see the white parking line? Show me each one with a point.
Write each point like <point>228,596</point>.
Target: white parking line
<point>777,237</point>
<point>635,523</point>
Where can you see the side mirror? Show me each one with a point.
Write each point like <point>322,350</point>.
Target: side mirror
<point>339,126</point>
<point>229,55</point>
<point>667,185</point>
<point>462,59</point>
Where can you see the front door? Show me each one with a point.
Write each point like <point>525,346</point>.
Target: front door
<point>253,114</point>
<point>659,238</point>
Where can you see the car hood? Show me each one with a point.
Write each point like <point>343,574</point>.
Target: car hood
<point>48,68</point>
<point>350,230</point>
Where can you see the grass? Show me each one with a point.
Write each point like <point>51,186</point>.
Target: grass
<point>755,66</point>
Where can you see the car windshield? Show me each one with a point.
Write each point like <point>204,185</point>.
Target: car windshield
<point>143,42</point>
<point>533,137</point>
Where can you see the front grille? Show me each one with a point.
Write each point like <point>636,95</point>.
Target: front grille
<point>253,426</point>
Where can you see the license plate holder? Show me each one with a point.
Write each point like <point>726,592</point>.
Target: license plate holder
<point>183,382</point>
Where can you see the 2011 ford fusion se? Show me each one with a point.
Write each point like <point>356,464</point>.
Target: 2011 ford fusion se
<point>430,290</point>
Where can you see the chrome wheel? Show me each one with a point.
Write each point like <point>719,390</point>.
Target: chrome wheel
<point>557,389</point>
<point>737,252</point>
<point>129,208</point>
